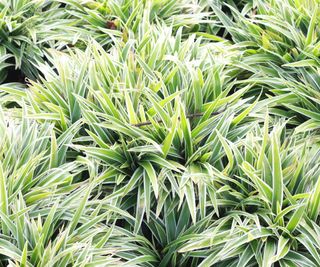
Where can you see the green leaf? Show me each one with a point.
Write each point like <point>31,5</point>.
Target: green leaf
<point>151,175</point>
<point>314,201</point>
<point>277,177</point>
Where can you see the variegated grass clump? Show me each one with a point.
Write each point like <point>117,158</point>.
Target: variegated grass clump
<point>160,133</point>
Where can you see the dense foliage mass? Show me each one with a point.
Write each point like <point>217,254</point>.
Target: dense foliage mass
<point>160,133</point>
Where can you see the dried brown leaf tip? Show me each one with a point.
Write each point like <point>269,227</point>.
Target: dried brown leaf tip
<point>111,25</point>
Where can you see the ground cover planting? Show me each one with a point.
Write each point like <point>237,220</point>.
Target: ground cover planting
<point>160,133</point>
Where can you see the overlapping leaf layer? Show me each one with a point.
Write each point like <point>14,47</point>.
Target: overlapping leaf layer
<point>160,133</point>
